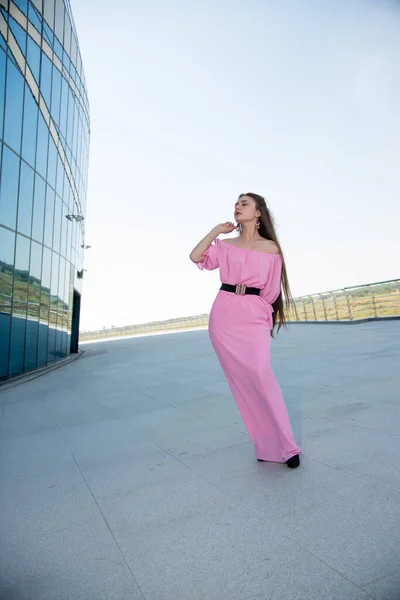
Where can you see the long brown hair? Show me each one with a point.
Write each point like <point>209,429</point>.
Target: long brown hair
<point>281,306</point>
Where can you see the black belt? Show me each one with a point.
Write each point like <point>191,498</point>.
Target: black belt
<point>241,289</point>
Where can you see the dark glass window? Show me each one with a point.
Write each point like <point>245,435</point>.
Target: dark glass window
<point>45,78</point>
<point>2,87</point>
<point>38,209</point>
<point>42,146</point>
<point>30,128</point>
<point>52,163</point>
<point>57,224</point>
<point>19,34</point>
<point>9,188</point>
<point>56,96</point>
<point>7,243</point>
<point>49,217</point>
<point>19,306</point>
<point>33,58</point>
<point>14,103</point>
<point>25,200</point>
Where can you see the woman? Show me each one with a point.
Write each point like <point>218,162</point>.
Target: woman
<point>242,320</point>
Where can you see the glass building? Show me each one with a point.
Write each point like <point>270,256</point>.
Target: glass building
<point>44,146</point>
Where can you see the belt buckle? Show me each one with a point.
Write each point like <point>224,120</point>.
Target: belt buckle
<point>240,289</point>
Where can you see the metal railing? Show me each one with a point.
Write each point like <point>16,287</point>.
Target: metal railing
<point>348,304</point>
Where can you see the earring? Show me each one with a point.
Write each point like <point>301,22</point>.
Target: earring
<point>257,224</point>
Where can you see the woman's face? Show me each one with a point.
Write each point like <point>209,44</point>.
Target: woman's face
<point>246,210</point>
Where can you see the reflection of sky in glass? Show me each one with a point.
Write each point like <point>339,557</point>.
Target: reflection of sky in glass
<point>34,204</point>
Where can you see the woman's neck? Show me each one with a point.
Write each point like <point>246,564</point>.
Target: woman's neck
<point>249,234</point>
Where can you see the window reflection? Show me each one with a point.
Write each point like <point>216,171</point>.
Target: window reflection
<point>52,163</point>
<point>56,95</point>
<point>7,242</point>
<point>19,305</point>
<point>45,78</point>
<point>29,128</point>
<point>36,293</point>
<point>2,86</point>
<point>9,188</point>
<point>34,17</point>
<point>33,58</point>
<point>57,224</point>
<point>14,103</point>
<point>19,34</point>
<point>32,324</point>
<point>38,209</point>
<point>42,146</point>
<point>49,217</point>
<point>22,5</point>
<point>25,200</point>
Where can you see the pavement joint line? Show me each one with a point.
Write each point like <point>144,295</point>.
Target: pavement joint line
<point>102,515</point>
<point>362,427</point>
<point>381,578</point>
<point>359,477</point>
<point>236,501</point>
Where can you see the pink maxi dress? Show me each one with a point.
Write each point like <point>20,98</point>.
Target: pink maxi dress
<point>240,328</point>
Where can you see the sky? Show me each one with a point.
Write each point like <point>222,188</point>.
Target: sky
<point>193,103</point>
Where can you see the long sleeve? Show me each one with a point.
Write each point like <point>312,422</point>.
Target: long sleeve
<point>211,260</point>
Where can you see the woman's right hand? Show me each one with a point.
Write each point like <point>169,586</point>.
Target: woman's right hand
<point>227,227</point>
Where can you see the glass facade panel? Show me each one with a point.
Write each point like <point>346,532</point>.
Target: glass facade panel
<point>42,146</point>
<point>48,12</point>
<point>57,224</point>
<point>29,131</point>
<point>19,305</point>
<point>49,217</point>
<point>18,33</point>
<point>9,188</point>
<point>34,17</point>
<point>7,244</point>
<point>2,87</point>
<point>25,200</point>
<point>33,58</point>
<point>45,79</point>
<point>14,104</point>
<point>56,96</point>
<point>22,5</point>
<point>38,263</point>
<point>39,200</point>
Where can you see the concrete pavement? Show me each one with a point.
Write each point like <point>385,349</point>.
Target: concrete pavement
<point>128,474</point>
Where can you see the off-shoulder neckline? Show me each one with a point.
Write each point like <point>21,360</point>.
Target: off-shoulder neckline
<point>250,250</point>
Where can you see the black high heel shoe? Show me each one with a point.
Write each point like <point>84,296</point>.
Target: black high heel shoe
<point>293,462</point>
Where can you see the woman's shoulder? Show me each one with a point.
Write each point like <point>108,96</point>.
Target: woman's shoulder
<point>263,246</point>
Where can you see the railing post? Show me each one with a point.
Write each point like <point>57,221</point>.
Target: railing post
<point>324,307</point>
<point>348,305</point>
<point>373,302</point>
<point>313,306</point>
<point>336,308</point>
